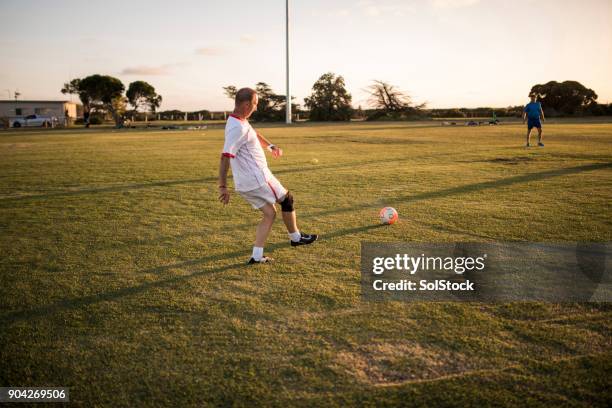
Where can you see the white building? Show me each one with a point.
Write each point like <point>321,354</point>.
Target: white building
<point>58,109</point>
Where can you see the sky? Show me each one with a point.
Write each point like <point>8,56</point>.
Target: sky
<point>447,53</point>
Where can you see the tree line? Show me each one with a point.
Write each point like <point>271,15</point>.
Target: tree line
<point>103,94</point>
<point>329,101</point>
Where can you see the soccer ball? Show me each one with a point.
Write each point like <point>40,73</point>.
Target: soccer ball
<point>314,161</point>
<point>388,215</point>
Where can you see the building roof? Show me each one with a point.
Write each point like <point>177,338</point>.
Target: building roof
<point>32,101</point>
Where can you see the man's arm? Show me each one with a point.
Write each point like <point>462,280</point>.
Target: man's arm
<point>542,113</point>
<point>524,115</point>
<point>265,143</point>
<point>224,164</point>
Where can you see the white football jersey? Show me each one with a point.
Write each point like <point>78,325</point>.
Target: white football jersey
<point>248,159</point>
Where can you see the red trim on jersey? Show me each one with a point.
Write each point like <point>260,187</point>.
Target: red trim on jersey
<point>231,156</point>
<point>273,191</point>
<point>237,117</point>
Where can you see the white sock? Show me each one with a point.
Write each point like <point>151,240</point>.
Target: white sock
<point>295,236</point>
<point>257,253</point>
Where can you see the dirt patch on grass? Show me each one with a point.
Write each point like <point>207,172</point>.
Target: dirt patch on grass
<point>369,140</point>
<point>388,364</point>
<point>385,141</point>
<point>16,145</point>
<point>510,160</point>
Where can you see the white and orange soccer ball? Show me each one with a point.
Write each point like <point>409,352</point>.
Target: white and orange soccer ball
<point>388,215</point>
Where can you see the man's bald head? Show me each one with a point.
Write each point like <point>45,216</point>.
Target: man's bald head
<point>246,102</point>
<point>244,95</point>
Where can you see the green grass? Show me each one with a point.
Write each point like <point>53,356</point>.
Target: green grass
<point>123,278</point>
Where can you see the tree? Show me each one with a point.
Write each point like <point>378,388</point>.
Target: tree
<point>74,87</point>
<point>359,112</point>
<point>142,94</point>
<point>100,92</point>
<point>566,98</point>
<point>118,109</point>
<point>172,114</point>
<point>204,114</point>
<point>386,97</point>
<point>107,91</point>
<point>270,106</point>
<point>230,91</point>
<point>329,99</point>
<point>391,103</point>
<point>600,109</point>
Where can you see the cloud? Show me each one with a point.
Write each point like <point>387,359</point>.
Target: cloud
<point>248,39</point>
<point>370,9</point>
<point>89,40</point>
<point>452,4</point>
<point>146,70</point>
<point>379,8</point>
<point>342,12</point>
<point>149,70</point>
<point>338,13</point>
<point>210,51</point>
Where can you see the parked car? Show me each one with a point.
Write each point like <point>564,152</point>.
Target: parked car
<point>33,121</point>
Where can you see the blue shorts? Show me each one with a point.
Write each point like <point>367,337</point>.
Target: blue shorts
<point>533,123</point>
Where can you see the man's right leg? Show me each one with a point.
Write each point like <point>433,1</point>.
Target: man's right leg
<point>528,136</point>
<point>290,221</point>
<point>289,218</point>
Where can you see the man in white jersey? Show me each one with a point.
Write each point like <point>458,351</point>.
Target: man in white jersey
<point>244,151</point>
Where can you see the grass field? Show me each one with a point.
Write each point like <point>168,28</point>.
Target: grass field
<point>123,278</point>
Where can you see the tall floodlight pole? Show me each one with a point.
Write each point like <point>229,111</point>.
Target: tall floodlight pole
<point>288,110</point>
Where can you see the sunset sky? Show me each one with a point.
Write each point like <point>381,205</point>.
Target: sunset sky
<point>448,53</point>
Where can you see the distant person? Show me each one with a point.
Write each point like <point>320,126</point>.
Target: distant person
<point>533,113</point>
<point>244,151</point>
<point>86,118</point>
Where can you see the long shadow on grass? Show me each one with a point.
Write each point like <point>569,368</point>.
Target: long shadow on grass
<point>468,188</point>
<point>80,302</point>
<point>185,235</point>
<point>140,186</point>
<point>370,128</point>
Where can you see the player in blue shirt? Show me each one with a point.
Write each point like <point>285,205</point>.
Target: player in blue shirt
<point>533,113</point>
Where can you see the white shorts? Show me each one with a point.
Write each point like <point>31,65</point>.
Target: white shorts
<point>272,192</point>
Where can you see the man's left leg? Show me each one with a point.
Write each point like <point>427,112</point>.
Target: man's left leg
<point>528,134</point>
<point>261,234</point>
